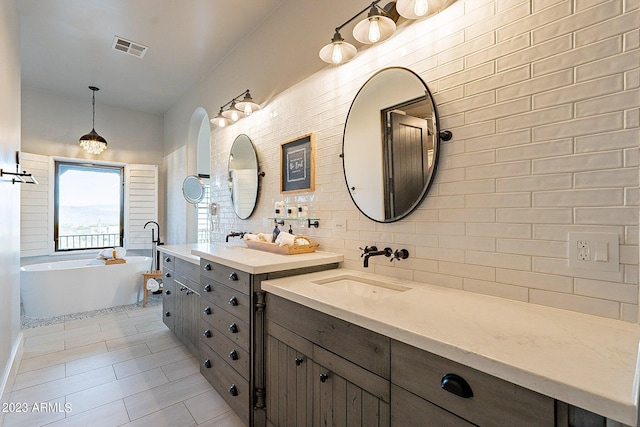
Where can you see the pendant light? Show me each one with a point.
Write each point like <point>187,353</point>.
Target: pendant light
<point>338,51</point>
<point>375,28</point>
<point>93,143</point>
<point>412,9</point>
<point>237,110</point>
<point>220,120</point>
<point>233,113</point>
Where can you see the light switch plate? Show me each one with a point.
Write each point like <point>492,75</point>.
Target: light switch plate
<point>594,251</point>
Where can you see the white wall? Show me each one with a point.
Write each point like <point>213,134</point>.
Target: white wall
<point>52,124</point>
<point>10,335</point>
<point>542,99</point>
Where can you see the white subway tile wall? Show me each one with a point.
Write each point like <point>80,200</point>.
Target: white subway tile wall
<point>543,102</point>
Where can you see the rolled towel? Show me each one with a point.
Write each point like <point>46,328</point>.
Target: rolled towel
<point>266,237</point>
<point>249,236</point>
<point>108,253</point>
<point>153,285</point>
<point>285,239</point>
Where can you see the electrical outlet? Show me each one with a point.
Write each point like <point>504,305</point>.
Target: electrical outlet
<point>340,224</point>
<point>584,250</point>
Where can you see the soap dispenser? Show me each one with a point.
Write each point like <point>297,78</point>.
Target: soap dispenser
<point>276,231</point>
<point>290,229</point>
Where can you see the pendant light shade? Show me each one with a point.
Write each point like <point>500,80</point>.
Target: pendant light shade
<point>338,51</point>
<point>233,113</point>
<point>247,106</point>
<point>93,143</point>
<point>374,28</point>
<point>412,9</point>
<point>220,120</point>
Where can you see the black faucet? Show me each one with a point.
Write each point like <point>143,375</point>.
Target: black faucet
<point>155,242</point>
<point>373,251</point>
<point>234,234</point>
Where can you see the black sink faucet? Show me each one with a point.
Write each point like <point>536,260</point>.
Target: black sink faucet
<point>234,234</point>
<point>373,251</point>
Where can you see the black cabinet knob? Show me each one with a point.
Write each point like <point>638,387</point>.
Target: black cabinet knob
<point>167,259</point>
<point>233,355</point>
<point>207,311</point>
<point>233,328</point>
<point>207,288</point>
<point>298,361</point>
<point>207,333</point>
<point>167,275</point>
<point>233,301</point>
<point>233,277</point>
<point>182,288</point>
<point>167,292</point>
<point>207,267</point>
<point>206,363</point>
<point>167,314</point>
<point>457,385</point>
<point>324,377</point>
<point>233,390</point>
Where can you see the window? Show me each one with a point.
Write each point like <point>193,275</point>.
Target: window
<point>89,206</point>
<point>204,215</point>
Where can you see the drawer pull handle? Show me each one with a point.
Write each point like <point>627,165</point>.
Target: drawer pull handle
<point>457,385</point>
<point>233,328</point>
<point>233,277</point>
<point>207,333</point>
<point>207,311</point>
<point>167,314</point>
<point>233,301</point>
<point>233,355</point>
<point>233,390</point>
<point>207,267</point>
<point>167,275</point>
<point>182,288</point>
<point>206,363</point>
<point>167,259</point>
<point>298,361</point>
<point>167,292</point>
<point>207,288</point>
<point>324,377</point>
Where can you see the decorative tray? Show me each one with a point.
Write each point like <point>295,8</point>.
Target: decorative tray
<point>285,249</point>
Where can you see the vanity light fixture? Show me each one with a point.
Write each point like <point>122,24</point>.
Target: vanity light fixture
<point>237,109</point>
<point>93,143</point>
<point>379,25</point>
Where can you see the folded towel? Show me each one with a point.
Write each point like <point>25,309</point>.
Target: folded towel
<point>291,240</point>
<point>108,253</point>
<point>153,285</point>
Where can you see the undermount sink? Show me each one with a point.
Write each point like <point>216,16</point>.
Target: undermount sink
<point>362,287</point>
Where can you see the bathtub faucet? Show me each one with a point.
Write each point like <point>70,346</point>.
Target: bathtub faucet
<point>155,264</point>
<point>153,239</point>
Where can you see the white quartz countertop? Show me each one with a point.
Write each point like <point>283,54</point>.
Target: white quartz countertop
<point>249,260</point>
<point>587,361</point>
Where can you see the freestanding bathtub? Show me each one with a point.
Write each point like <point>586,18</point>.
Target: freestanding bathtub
<point>65,287</point>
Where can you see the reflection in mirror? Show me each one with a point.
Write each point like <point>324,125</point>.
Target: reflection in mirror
<point>392,124</point>
<point>243,176</point>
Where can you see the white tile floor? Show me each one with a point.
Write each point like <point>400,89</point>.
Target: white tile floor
<point>118,369</point>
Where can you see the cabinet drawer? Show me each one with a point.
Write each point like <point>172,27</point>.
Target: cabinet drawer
<point>231,277</point>
<point>229,299</point>
<point>366,348</point>
<point>235,356</point>
<point>494,402</point>
<point>228,383</point>
<point>168,262</point>
<point>187,269</point>
<point>232,327</point>
<point>408,410</point>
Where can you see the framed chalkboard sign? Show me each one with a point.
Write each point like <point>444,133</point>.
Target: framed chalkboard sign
<point>297,164</point>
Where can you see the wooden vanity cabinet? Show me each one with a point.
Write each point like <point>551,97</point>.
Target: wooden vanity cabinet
<point>180,299</point>
<point>418,393</point>
<point>312,379</point>
<point>231,334</point>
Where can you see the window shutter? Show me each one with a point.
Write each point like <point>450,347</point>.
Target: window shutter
<point>36,207</point>
<point>141,195</point>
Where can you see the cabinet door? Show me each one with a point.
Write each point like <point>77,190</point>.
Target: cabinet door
<point>289,385</point>
<point>340,403</point>
<point>168,299</point>
<point>409,410</point>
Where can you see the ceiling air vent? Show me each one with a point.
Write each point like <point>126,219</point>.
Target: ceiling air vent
<point>127,46</point>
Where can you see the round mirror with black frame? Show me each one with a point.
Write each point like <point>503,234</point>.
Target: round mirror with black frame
<point>391,144</point>
<point>243,176</point>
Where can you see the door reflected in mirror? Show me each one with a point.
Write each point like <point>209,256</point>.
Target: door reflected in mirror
<point>390,145</point>
<point>243,176</point>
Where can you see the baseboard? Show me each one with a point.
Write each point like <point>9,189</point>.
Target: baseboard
<point>11,369</point>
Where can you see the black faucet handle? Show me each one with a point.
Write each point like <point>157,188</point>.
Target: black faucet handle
<point>400,254</point>
<point>368,249</point>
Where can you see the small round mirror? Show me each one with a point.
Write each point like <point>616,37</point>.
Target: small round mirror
<point>193,189</point>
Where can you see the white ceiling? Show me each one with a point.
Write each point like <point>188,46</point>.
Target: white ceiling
<point>66,46</point>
